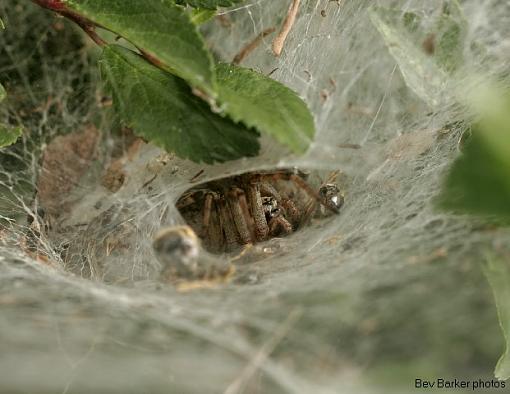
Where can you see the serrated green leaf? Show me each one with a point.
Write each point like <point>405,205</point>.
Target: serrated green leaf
<point>209,4</point>
<point>161,108</point>
<point>3,93</point>
<point>497,272</point>
<point>9,135</point>
<point>199,16</point>
<point>479,180</point>
<point>262,103</point>
<point>421,73</point>
<point>160,28</point>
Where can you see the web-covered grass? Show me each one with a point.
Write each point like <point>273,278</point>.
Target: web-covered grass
<point>389,291</point>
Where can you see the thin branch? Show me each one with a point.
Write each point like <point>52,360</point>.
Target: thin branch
<point>91,32</point>
<point>86,25</point>
<point>251,46</point>
<point>264,352</point>
<point>279,41</point>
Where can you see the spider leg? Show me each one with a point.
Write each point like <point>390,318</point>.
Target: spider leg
<point>214,234</point>
<point>279,225</point>
<point>238,215</point>
<point>187,199</point>
<point>227,224</point>
<point>302,184</point>
<point>243,202</point>
<point>259,217</point>
<point>267,189</point>
<point>291,212</point>
<point>332,177</point>
<point>309,211</point>
<point>208,203</point>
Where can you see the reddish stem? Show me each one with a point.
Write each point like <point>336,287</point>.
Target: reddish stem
<point>59,7</point>
<point>55,5</point>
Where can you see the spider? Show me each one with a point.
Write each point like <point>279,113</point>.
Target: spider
<point>253,207</point>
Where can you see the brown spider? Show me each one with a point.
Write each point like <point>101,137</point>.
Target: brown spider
<point>253,207</point>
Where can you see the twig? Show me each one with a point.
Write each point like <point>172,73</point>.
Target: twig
<point>87,25</point>
<point>91,32</point>
<point>197,175</point>
<point>260,357</point>
<point>149,181</point>
<point>279,41</point>
<point>272,71</point>
<point>349,146</point>
<point>243,53</point>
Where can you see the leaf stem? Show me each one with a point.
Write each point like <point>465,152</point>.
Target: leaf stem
<point>91,32</point>
<point>86,25</point>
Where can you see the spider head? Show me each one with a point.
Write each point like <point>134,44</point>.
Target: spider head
<point>270,206</point>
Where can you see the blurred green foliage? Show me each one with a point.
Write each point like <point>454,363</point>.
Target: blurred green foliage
<point>428,53</point>
<point>497,272</point>
<point>8,135</point>
<point>479,180</point>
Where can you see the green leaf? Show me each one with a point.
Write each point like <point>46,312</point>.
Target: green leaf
<point>421,73</point>
<point>447,36</point>
<point>451,33</point>
<point>9,135</point>
<point>3,93</point>
<point>199,16</point>
<point>161,108</point>
<point>497,272</point>
<point>411,21</point>
<point>267,105</point>
<point>479,180</point>
<point>209,4</point>
<point>449,51</point>
<point>161,29</point>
